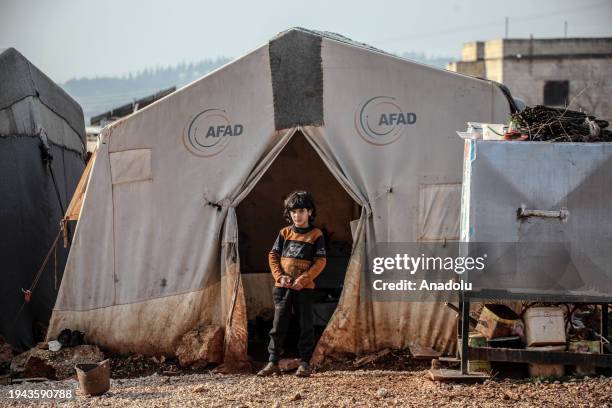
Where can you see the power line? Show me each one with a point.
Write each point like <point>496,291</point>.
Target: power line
<point>498,23</point>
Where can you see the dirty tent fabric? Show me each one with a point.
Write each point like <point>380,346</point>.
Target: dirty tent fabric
<point>36,117</point>
<point>155,251</point>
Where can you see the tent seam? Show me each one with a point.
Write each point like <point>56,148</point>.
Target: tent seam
<point>61,146</point>
<point>132,303</point>
<point>81,138</point>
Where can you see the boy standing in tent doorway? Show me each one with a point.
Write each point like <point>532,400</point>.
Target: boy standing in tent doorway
<point>296,259</point>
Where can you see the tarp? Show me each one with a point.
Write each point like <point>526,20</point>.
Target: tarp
<point>21,80</point>
<point>155,251</point>
<point>35,114</point>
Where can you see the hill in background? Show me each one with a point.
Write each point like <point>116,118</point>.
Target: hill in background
<point>101,94</point>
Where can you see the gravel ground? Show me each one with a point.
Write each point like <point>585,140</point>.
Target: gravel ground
<point>327,389</point>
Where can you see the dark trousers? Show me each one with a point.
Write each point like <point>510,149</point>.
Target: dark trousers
<point>301,301</point>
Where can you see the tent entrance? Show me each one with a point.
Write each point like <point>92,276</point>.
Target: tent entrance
<point>297,167</point>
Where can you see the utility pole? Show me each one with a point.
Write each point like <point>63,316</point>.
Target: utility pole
<point>507,24</point>
<point>565,28</point>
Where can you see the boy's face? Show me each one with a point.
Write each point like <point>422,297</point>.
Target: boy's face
<point>299,216</point>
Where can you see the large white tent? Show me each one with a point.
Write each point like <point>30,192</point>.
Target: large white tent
<point>155,251</point>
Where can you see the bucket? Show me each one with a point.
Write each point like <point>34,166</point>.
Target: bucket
<point>94,378</point>
<point>545,326</point>
<point>498,321</point>
<point>476,340</point>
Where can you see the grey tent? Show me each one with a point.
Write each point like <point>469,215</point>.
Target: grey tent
<point>42,136</point>
<point>160,245</point>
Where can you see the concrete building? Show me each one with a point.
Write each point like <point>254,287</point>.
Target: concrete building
<point>551,72</point>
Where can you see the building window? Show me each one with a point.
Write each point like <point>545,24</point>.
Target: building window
<point>556,93</point>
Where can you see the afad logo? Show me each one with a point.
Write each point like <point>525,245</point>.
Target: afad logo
<point>381,121</point>
<point>209,132</point>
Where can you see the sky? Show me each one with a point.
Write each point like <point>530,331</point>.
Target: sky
<point>85,38</point>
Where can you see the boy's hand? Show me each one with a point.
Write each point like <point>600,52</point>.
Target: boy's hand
<point>285,281</point>
<point>298,284</point>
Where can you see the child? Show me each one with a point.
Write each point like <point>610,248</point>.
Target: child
<point>296,259</point>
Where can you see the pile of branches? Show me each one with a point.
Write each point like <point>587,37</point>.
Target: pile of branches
<point>542,123</point>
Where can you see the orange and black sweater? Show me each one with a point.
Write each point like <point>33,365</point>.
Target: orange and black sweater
<point>298,253</point>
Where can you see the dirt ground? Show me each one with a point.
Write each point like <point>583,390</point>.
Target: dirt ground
<point>373,388</point>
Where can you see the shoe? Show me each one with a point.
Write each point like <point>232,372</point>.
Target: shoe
<point>270,369</point>
<point>303,370</point>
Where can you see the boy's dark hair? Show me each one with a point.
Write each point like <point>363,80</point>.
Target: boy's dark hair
<point>299,199</point>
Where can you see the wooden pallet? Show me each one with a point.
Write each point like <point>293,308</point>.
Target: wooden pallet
<point>447,374</point>
<point>450,360</point>
<point>419,352</point>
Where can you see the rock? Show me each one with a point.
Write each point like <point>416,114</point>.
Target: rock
<point>54,345</point>
<point>200,388</point>
<point>64,337</point>
<point>382,393</point>
<point>201,346</point>
<point>288,364</point>
<point>77,338</point>
<point>295,397</point>
<point>6,351</point>
<point>370,358</point>
<point>18,363</point>
<point>55,365</point>
<point>159,360</point>
<point>38,367</point>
